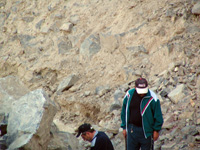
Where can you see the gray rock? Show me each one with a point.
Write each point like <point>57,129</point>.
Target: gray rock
<point>115,106</point>
<point>119,141</point>
<point>67,83</point>
<point>166,106</point>
<point>168,121</point>
<point>2,19</point>
<point>193,29</point>
<point>30,121</point>
<point>55,26</point>
<point>125,87</point>
<point>130,74</point>
<point>38,25</point>
<point>118,95</point>
<point>137,28</point>
<point>187,115</point>
<point>181,71</point>
<point>64,141</point>
<point>190,130</point>
<point>137,50</point>
<point>14,9</point>
<point>90,45</point>
<point>164,93</point>
<point>25,40</point>
<point>168,146</point>
<point>196,9</point>
<point>28,19</point>
<point>177,94</point>
<point>45,30</point>
<point>67,27</point>
<point>170,13</point>
<point>190,139</point>
<point>58,16</point>
<point>64,46</point>
<point>49,8</point>
<point>74,19</point>
<point>101,90</point>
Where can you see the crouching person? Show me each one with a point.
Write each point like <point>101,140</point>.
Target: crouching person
<point>99,140</point>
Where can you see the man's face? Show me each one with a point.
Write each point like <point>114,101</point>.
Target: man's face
<point>86,136</point>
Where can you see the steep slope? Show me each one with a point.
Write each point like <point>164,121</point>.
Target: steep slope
<point>42,42</point>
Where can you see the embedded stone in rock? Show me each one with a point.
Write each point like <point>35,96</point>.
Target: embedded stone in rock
<point>67,83</point>
<point>177,94</point>
<point>196,9</point>
<point>115,106</point>
<point>2,19</point>
<point>30,121</point>
<point>101,90</point>
<point>91,45</point>
<point>168,146</point>
<point>118,95</point>
<point>137,50</point>
<point>74,19</point>
<point>64,46</point>
<point>164,93</point>
<point>25,40</point>
<point>66,27</point>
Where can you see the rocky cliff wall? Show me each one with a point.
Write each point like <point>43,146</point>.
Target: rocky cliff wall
<point>106,45</point>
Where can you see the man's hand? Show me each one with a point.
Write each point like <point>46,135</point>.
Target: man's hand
<point>155,135</point>
<point>124,133</point>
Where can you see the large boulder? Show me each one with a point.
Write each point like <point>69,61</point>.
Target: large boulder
<point>30,121</point>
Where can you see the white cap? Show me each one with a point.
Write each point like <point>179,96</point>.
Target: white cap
<point>142,90</point>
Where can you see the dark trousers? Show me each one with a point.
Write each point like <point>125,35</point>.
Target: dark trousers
<point>137,140</point>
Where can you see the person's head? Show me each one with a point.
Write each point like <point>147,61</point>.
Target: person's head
<point>86,131</point>
<point>141,86</point>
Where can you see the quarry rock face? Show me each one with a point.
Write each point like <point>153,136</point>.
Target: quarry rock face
<point>85,55</point>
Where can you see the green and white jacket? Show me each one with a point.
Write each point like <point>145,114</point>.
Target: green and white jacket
<point>152,119</point>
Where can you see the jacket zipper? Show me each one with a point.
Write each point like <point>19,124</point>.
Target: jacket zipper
<point>142,116</point>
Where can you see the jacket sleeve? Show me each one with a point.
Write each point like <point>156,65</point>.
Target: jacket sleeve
<point>157,116</point>
<point>123,112</point>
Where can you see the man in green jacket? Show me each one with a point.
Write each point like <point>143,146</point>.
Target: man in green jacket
<point>141,117</point>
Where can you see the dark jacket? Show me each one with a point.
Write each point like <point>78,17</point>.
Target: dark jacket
<point>150,110</point>
<point>102,142</point>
